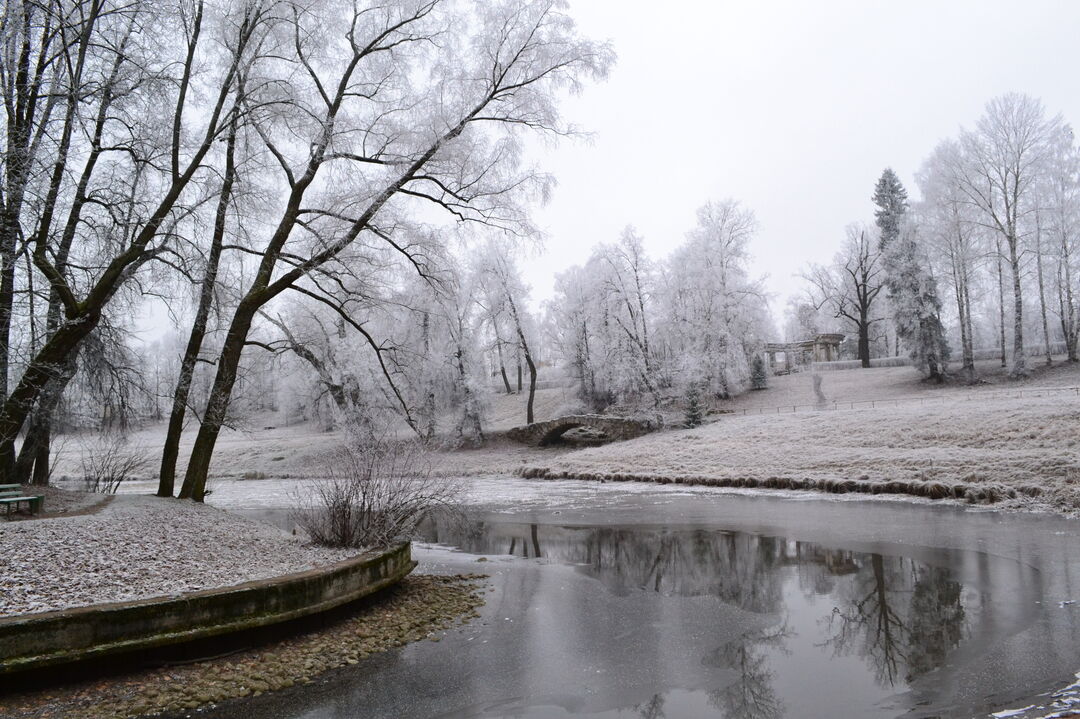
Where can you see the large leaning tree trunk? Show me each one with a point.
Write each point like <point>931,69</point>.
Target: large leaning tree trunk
<point>442,155</point>
<point>155,182</point>
<point>39,82</point>
<point>171,450</point>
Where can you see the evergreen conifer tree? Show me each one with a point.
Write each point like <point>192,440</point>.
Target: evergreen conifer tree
<point>759,378</point>
<point>891,200</point>
<point>694,411</point>
<point>911,286</point>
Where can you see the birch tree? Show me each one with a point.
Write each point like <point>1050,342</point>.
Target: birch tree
<point>950,224</point>
<point>1000,163</point>
<point>500,275</point>
<point>388,108</point>
<point>1062,192</point>
<point>714,306</point>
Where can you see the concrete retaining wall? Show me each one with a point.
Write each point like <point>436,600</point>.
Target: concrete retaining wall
<point>40,640</point>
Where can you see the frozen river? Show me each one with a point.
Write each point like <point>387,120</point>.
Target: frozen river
<point>633,600</point>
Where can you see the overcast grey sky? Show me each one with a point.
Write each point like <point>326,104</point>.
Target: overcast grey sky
<point>794,108</point>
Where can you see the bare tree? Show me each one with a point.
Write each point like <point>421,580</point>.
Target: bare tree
<point>948,221</point>
<point>376,494</point>
<point>171,449</point>
<point>498,268</point>
<point>115,187</point>
<point>850,287</point>
<point>398,140</point>
<point>1001,161</point>
<point>1063,198</point>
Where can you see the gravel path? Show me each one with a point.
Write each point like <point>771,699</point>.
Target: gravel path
<point>139,547</point>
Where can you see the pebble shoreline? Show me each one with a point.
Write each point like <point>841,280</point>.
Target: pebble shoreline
<point>418,608</point>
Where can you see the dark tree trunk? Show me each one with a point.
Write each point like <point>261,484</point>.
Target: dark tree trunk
<point>529,418</point>
<point>864,342</point>
<point>43,369</point>
<point>36,443</point>
<point>41,461</point>
<point>524,346</point>
<point>194,486</point>
<point>502,368</point>
<point>171,451</point>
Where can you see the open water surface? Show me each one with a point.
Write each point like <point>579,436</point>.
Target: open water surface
<point>653,601</point>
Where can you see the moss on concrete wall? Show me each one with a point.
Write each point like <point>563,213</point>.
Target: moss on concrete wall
<point>39,640</point>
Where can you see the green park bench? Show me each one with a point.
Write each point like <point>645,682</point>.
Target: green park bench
<point>11,495</point>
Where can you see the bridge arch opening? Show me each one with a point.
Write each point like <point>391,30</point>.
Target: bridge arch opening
<point>574,433</point>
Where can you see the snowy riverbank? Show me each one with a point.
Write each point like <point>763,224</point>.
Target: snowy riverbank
<point>1025,451</point>
<point>139,547</point>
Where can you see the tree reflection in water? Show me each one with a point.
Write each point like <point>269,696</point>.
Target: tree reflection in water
<point>652,709</point>
<point>751,695</point>
<point>900,616</point>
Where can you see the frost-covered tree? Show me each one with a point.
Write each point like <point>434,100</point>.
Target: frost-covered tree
<point>912,288</point>
<point>382,111</point>
<point>804,320</point>
<point>1000,162</point>
<point>507,297</point>
<point>950,225</point>
<point>759,375</point>
<point>466,367</point>
<point>915,304</point>
<point>1062,192</point>
<point>715,315</point>
<point>890,197</point>
<point>694,409</point>
<point>101,133</point>
<point>636,331</point>
<point>605,312</point>
<point>572,326</point>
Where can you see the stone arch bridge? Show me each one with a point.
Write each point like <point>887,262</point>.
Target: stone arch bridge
<point>539,434</point>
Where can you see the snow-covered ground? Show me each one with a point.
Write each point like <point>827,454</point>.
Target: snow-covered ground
<point>1000,432</point>
<point>1063,703</point>
<point>139,547</point>
<point>265,446</point>
<point>1017,443</point>
<point>897,383</point>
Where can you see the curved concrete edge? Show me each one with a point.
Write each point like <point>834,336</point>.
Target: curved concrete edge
<point>39,640</point>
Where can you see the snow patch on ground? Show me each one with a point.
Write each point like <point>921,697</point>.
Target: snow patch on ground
<point>1064,703</point>
<point>139,547</point>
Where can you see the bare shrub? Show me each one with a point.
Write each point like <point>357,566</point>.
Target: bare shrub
<point>109,462</point>
<point>376,494</point>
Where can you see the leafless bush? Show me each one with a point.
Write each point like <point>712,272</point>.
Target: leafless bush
<point>109,462</point>
<point>376,494</point>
